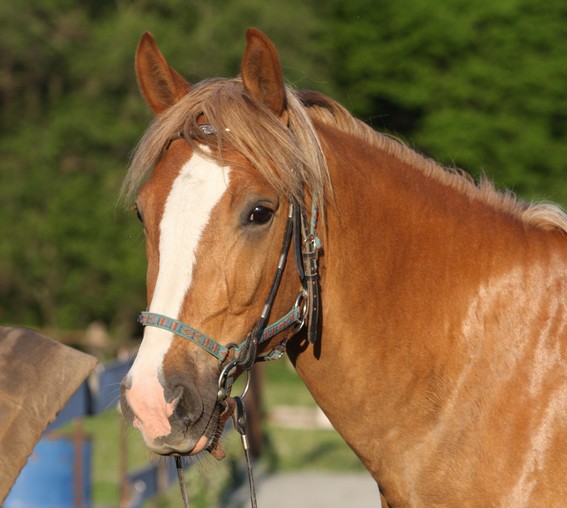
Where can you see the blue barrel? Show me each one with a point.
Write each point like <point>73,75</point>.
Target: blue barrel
<point>52,475</point>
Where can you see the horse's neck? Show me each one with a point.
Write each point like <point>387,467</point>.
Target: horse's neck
<point>371,295</point>
<point>397,279</point>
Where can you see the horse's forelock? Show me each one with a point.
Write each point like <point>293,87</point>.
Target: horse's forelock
<point>290,157</point>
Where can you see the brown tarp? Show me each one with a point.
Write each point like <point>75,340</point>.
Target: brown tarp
<point>37,377</point>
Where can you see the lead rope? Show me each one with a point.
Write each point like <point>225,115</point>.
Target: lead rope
<point>179,467</point>
<point>241,425</point>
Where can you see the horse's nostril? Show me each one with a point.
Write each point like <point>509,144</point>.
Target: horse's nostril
<point>174,395</point>
<point>185,403</point>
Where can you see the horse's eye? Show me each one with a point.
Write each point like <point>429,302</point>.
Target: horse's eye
<point>139,214</point>
<point>260,215</point>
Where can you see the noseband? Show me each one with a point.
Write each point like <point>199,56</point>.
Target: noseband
<point>306,307</point>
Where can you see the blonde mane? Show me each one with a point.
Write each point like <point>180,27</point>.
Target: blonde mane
<point>291,159</point>
<point>542,215</point>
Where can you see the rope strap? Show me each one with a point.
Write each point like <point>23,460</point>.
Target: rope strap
<point>210,345</point>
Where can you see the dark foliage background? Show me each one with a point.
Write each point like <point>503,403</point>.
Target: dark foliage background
<point>480,85</point>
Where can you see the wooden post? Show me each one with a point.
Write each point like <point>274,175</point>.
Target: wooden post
<point>78,456</point>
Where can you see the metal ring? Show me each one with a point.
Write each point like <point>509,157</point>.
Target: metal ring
<point>247,385</point>
<point>223,390</point>
<point>301,298</point>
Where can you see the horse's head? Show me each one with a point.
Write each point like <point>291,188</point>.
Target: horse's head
<point>214,180</point>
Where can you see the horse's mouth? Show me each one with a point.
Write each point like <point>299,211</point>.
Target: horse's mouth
<point>210,439</point>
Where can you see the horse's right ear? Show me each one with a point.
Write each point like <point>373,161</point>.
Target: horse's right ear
<point>262,74</point>
<point>161,85</point>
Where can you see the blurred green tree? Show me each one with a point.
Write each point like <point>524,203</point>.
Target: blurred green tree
<point>70,113</point>
<point>479,85</point>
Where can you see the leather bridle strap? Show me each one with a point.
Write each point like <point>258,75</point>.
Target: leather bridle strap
<point>306,247</point>
<point>250,345</point>
<point>244,352</point>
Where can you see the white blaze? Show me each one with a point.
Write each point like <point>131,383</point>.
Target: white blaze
<point>195,192</point>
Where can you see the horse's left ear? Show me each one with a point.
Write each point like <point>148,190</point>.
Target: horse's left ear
<point>261,72</point>
<point>161,85</point>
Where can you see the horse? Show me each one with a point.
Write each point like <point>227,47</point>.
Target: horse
<point>424,311</point>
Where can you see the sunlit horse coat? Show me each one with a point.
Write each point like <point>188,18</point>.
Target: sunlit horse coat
<point>441,357</point>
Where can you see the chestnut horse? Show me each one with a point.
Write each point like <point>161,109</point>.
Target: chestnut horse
<point>436,325</point>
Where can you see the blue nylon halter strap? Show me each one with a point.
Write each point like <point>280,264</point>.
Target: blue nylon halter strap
<point>306,307</point>
<point>218,350</point>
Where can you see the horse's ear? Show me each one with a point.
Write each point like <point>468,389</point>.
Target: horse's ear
<point>161,85</point>
<point>261,72</point>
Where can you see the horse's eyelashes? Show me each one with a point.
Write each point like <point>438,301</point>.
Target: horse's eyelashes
<point>139,214</point>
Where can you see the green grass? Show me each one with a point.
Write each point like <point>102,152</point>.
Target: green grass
<point>283,386</point>
<point>207,479</point>
<point>309,450</point>
<point>300,449</point>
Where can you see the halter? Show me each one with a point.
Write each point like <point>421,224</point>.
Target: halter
<point>305,308</point>
<point>218,350</point>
